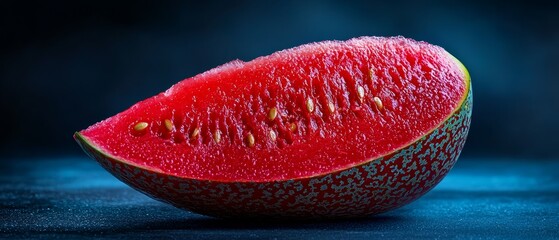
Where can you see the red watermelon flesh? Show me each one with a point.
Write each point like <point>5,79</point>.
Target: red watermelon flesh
<point>298,113</point>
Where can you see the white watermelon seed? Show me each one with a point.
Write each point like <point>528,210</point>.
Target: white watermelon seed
<point>140,126</point>
<point>250,140</point>
<point>310,105</point>
<point>168,125</point>
<point>331,107</point>
<point>378,102</point>
<point>372,74</point>
<point>195,133</point>
<point>360,92</point>
<point>273,113</point>
<point>217,136</point>
<point>292,127</point>
<point>273,135</point>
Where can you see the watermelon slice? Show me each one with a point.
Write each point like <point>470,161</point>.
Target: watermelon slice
<point>329,129</point>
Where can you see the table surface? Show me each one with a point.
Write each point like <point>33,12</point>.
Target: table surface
<point>75,198</point>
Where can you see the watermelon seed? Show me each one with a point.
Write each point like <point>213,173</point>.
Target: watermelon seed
<point>273,135</point>
<point>331,107</point>
<point>361,93</point>
<point>273,113</point>
<point>378,102</point>
<point>292,127</point>
<point>217,136</point>
<point>195,133</point>
<point>310,105</point>
<point>168,125</point>
<point>250,140</point>
<point>140,126</point>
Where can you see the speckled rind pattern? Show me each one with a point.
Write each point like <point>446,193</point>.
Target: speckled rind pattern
<point>374,187</point>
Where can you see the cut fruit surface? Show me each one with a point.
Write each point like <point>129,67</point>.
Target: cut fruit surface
<point>301,112</point>
<point>330,129</point>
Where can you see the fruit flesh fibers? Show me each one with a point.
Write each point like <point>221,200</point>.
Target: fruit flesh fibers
<point>419,85</point>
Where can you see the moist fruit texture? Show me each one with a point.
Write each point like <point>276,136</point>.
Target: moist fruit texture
<point>329,129</point>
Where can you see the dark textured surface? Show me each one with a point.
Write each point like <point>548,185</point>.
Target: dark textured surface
<point>76,198</point>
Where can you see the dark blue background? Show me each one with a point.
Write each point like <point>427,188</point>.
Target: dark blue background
<point>65,65</point>
<point>68,64</point>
